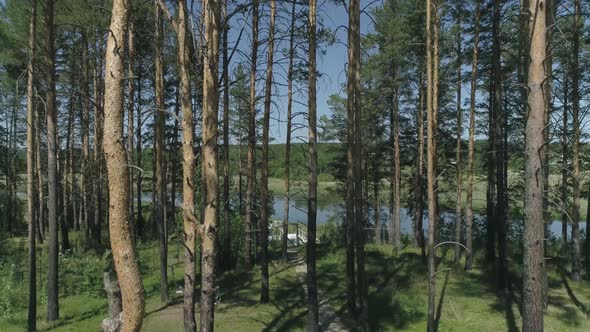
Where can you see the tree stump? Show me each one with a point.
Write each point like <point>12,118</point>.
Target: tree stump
<point>115,320</point>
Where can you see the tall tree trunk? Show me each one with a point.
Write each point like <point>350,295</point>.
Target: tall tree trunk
<point>160,173</point>
<point>124,255</point>
<point>431,104</point>
<point>131,113</point>
<point>376,203</point>
<point>547,89</point>
<point>188,169</point>
<point>350,164</point>
<point>264,201</point>
<point>71,172</point>
<point>226,255</point>
<point>85,132</point>
<point>491,199</point>
<point>355,48</point>
<point>42,217</point>
<point>575,72</point>
<point>64,170</point>
<point>95,230</point>
<point>550,7</point>
<point>250,185</point>
<point>32,310</point>
<point>212,9</point>
<point>533,263</point>
<point>458,206</point>
<point>312,293</point>
<point>418,225</point>
<point>565,169</point>
<point>174,157</point>
<point>396,173</point>
<point>471,148</point>
<point>435,92</point>
<point>289,129</point>
<point>51,114</point>
<point>139,152</point>
<point>66,220</point>
<point>240,166</point>
<point>499,115</point>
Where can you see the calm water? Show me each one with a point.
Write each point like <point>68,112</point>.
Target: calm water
<point>330,211</point>
<point>335,212</point>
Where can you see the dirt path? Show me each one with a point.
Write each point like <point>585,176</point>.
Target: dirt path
<point>329,321</point>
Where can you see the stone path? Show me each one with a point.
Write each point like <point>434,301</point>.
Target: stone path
<point>329,321</point>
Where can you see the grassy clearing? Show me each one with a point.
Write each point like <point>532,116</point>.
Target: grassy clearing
<point>467,301</point>
<point>239,306</point>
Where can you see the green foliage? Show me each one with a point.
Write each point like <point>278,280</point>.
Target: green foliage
<point>12,296</point>
<point>82,274</point>
<point>332,234</point>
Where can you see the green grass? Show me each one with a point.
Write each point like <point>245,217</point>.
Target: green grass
<point>299,188</point>
<point>467,301</point>
<point>239,306</point>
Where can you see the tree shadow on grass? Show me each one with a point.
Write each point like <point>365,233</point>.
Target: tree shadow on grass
<point>70,319</point>
<point>485,282</point>
<point>574,299</point>
<point>290,302</point>
<point>387,275</point>
<point>164,306</point>
<point>441,300</point>
<point>392,274</point>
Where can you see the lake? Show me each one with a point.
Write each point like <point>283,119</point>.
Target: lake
<point>335,212</point>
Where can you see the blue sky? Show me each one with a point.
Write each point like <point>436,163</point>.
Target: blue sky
<point>331,65</point>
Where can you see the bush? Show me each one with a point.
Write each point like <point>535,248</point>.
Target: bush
<point>11,295</point>
<point>81,274</point>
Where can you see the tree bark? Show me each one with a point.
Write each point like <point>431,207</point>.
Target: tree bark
<point>64,170</point>
<point>499,116</point>
<point>418,226</point>
<point>376,203</point>
<point>264,199</point>
<point>431,101</point>
<point>124,255</point>
<point>576,259</point>
<point>533,263</point>
<point>471,148</point>
<point>226,255</point>
<point>289,129</point>
<point>114,321</point>
<point>250,185</point>
<point>565,169</point>
<point>458,160</point>
<point>31,198</point>
<point>95,231</point>
<point>139,152</point>
<point>435,93</point>
<point>312,296</point>
<point>131,113</point>
<point>51,114</point>
<point>396,173</point>
<point>350,164</point>
<point>547,88</point>
<point>212,10</point>
<point>42,216</point>
<point>160,174</point>
<point>355,48</point>
<point>188,168</point>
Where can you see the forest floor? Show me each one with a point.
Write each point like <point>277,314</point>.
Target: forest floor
<point>328,319</point>
<point>466,301</point>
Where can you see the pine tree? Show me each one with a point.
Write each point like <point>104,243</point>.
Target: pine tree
<point>124,254</point>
